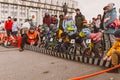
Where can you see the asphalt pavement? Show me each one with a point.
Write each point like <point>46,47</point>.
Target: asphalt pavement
<point>28,65</point>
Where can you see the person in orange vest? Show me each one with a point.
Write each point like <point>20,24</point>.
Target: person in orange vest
<point>31,37</point>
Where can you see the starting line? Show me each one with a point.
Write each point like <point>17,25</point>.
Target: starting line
<point>81,59</point>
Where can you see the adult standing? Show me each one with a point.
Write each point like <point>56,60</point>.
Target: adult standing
<point>65,9</point>
<point>25,27</point>
<point>26,24</point>
<point>98,22</point>
<point>79,18</point>
<point>109,18</point>
<point>8,26</point>
<point>102,20</point>
<point>61,18</point>
<point>47,19</point>
<point>56,20</point>
<point>15,27</point>
<point>105,9</point>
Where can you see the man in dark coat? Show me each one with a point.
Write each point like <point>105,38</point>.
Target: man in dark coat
<point>61,18</point>
<point>79,18</point>
<point>65,8</point>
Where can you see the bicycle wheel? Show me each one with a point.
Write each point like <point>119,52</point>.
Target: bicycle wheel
<point>72,50</point>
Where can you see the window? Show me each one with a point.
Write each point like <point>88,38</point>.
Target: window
<point>22,11</point>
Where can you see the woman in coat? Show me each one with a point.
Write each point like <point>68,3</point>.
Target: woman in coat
<point>109,18</point>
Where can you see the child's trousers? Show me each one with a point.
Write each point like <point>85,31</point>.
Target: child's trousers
<point>115,57</point>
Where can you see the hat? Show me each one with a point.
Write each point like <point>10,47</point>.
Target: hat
<point>31,28</point>
<point>117,33</point>
<point>111,5</point>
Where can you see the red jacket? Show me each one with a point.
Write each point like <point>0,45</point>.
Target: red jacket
<point>8,25</point>
<point>47,20</point>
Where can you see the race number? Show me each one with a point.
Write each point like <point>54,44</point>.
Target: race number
<point>72,41</point>
<point>88,41</point>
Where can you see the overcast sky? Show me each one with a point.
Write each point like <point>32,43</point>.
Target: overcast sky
<point>90,8</point>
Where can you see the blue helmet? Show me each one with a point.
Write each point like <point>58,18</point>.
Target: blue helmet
<point>86,31</point>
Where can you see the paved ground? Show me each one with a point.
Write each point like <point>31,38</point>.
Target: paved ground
<point>27,65</point>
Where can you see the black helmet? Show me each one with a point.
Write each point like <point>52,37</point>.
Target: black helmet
<point>117,33</point>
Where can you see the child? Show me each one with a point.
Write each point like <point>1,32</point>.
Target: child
<point>114,52</point>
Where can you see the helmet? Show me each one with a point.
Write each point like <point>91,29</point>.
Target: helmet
<point>86,31</point>
<point>82,34</point>
<point>70,29</point>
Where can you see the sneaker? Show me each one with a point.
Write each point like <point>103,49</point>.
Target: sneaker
<point>21,49</point>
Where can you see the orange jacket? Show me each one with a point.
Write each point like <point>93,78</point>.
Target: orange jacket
<point>116,46</point>
<point>32,36</point>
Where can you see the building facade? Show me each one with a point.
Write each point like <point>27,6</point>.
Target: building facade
<point>33,9</point>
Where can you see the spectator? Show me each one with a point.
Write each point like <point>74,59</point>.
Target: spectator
<point>102,20</point>
<point>52,19</point>
<point>31,37</point>
<point>65,9</point>
<point>61,21</point>
<point>95,30</point>
<point>8,26</point>
<point>47,19</point>
<point>105,37</point>
<point>109,18</point>
<point>79,18</point>
<point>26,24</point>
<point>15,27</point>
<point>25,27</point>
<point>56,20</point>
<point>98,22</point>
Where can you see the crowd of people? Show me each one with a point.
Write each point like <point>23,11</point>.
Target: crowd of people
<point>108,24</point>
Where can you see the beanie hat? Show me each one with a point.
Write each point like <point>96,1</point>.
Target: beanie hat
<point>111,5</point>
<point>117,33</point>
